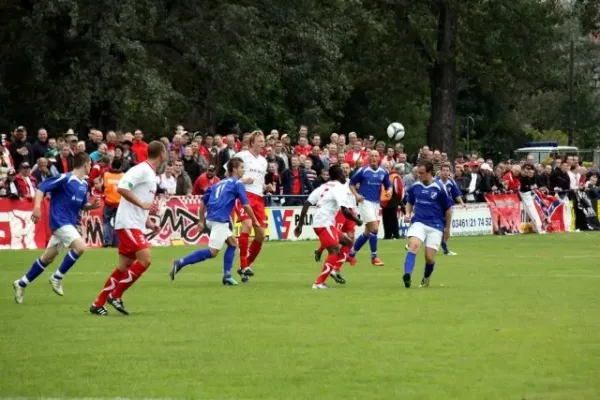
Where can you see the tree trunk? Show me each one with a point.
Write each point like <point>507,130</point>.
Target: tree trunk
<point>443,80</point>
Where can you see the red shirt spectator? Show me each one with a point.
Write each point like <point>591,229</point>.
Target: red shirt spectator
<point>204,181</point>
<point>303,147</point>
<point>26,182</point>
<point>511,181</point>
<point>139,148</point>
<point>97,171</point>
<point>353,155</point>
<point>297,185</point>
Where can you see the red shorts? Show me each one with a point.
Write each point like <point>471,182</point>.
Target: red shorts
<point>329,236</point>
<point>343,224</point>
<point>257,203</point>
<point>131,241</point>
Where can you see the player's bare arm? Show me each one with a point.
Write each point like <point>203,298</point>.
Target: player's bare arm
<point>92,206</point>
<point>350,215</point>
<point>298,229</point>
<point>357,196</point>
<point>408,213</point>
<point>448,224</point>
<point>36,215</point>
<point>250,213</point>
<point>247,180</point>
<point>132,198</point>
<point>151,225</point>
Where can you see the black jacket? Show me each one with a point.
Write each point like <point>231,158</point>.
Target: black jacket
<point>59,163</point>
<point>18,159</point>
<point>223,159</point>
<point>40,149</point>
<point>287,180</point>
<point>192,168</point>
<point>559,179</point>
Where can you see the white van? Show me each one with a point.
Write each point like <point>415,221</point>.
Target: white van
<point>541,153</point>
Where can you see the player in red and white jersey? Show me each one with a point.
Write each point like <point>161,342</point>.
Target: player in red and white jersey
<point>328,199</point>
<point>344,224</point>
<point>254,182</point>
<point>137,189</point>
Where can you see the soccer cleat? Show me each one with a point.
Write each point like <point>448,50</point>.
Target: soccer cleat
<point>337,277</point>
<point>98,310</point>
<point>377,262</point>
<point>57,286</point>
<point>174,270</point>
<point>406,279</point>
<point>19,292</point>
<point>320,286</point>
<point>229,281</point>
<point>424,282</point>
<point>318,255</point>
<point>117,304</point>
<point>450,253</point>
<point>245,274</point>
<point>351,260</point>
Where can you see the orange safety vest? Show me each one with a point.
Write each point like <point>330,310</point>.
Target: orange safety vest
<point>111,181</point>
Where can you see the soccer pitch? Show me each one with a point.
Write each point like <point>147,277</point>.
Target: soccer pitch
<point>508,318</point>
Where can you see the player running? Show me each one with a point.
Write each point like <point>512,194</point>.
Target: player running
<point>69,195</point>
<point>254,181</point>
<point>430,214</point>
<point>329,198</point>
<point>344,225</point>
<point>368,196</point>
<point>137,189</point>
<point>218,202</point>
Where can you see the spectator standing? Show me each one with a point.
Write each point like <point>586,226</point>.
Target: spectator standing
<point>5,162</point>
<point>286,142</point>
<point>317,162</point>
<point>139,147</point>
<point>511,180</point>
<point>472,182</point>
<point>355,154</point>
<point>10,188</point>
<point>101,152</point>
<point>278,151</point>
<point>488,181</point>
<point>271,157</point>
<point>303,148</point>
<point>112,198</point>
<point>25,182</point>
<point>52,149</point>
<point>295,183</point>
<point>323,178</point>
<point>183,182</point>
<point>64,161</point>
<point>95,138</point>
<point>44,170</point>
<point>111,140</point>
<point>190,165</point>
<point>311,174</point>
<point>273,177</point>
<point>226,154</point>
<point>167,181</point>
<point>129,157</point>
<point>20,149</point>
<point>98,171</point>
<point>205,181</point>
<point>437,162</point>
<point>391,227</point>
<point>40,147</point>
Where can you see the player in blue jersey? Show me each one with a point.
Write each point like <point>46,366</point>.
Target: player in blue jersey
<point>68,195</point>
<point>429,211</point>
<point>365,185</point>
<point>218,202</point>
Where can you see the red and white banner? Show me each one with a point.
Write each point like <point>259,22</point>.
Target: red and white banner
<point>17,231</point>
<point>547,213</point>
<point>505,210</point>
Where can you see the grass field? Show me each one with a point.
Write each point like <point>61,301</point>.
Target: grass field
<point>508,318</point>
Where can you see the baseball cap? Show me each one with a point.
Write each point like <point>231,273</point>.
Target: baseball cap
<point>71,138</point>
<point>25,165</point>
<point>285,135</point>
<point>11,172</point>
<point>211,167</point>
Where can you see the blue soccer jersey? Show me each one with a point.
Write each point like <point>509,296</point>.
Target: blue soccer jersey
<point>430,204</point>
<point>68,195</point>
<point>220,199</point>
<point>452,189</point>
<point>370,182</point>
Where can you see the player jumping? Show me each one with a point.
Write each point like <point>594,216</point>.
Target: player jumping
<point>368,197</point>
<point>219,201</point>
<point>137,189</point>
<point>345,225</point>
<point>69,195</point>
<point>430,214</point>
<point>329,198</point>
<point>254,181</point>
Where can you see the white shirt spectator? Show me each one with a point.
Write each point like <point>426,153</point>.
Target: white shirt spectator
<point>168,184</point>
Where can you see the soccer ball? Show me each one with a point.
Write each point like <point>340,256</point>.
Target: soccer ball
<point>395,131</point>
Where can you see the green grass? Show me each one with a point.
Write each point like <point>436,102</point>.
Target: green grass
<point>516,318</point>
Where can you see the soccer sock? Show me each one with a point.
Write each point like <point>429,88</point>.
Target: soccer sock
<point>228,260</point>
<point>429,269</point>
<point>409,262</point>
<point>444,246</point>
<point>243,244</point>
<point>193,258</point>
<point>346,250</point>
<point>36,270</point>
<point>133,274</point>
<point>328,266</point>
<point>360,242</point>
<point>340,260</point>
<point>69,260</point>
<point>109,286</point>
<point>373,243</point>
<point>255,247</point>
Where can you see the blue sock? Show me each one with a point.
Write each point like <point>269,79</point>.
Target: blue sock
<point>360,242</point>
<point>444,246</point>
<point>69,260</point>
<point>409,262</point>
<point>228,260</point>
<point>429,269</point>
<point>36,270</point>
<point>373,243</point>
<point>193,258</point>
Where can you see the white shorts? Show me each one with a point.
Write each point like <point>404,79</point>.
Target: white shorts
<point>369,211</point>
<point>426,234</point>
<point>219,233</point>
<point>63,237</point>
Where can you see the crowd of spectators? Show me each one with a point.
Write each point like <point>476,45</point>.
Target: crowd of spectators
<point>295,167</point>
